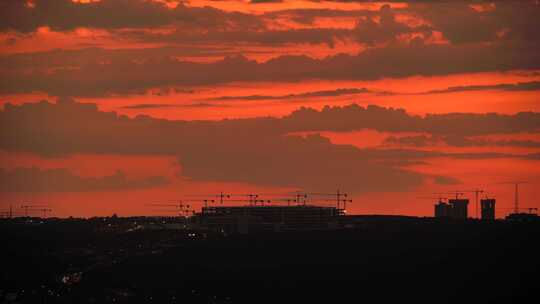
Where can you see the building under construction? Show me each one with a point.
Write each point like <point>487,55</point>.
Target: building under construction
<point>455,209</point>
<point>243,219</point>
<point>487,207</point>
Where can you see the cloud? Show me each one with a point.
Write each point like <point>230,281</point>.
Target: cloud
<point>132,19</point>
<point>65,15</point>
<point>141,106</point>
<point>415,141</point>
<point>461,22</point>
<point>210,32</point>
<point>458,21</point>
<point>371,27</point>
<point>255,150</point>
<point>457,141</point>
<point>354,117</point>
<point>387,29</point>
<point>499,38</point>
<point>217,36</point>
<point>62,180</point>
<point>141,71</point>
<point>69,127</point>
<point>308,16</point>
<point>445,180</point>
<point>323,93</point>
<point>308,163</point>
<point>533,156</point>
<point>265,1</point>
<point>520,86</point>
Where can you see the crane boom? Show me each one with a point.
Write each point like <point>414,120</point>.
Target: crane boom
<point>476,192</point>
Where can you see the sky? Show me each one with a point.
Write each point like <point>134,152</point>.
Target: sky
<point>110,106</point>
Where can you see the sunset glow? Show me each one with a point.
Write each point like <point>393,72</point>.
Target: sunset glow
<point>107,106</point>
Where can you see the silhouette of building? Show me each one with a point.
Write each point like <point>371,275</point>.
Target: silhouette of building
<point>487,208</point>
<point>523,217</point>
<point>459,208</point>
<point>443,210</point>
<point>247,218</point>
<point>455,208</point>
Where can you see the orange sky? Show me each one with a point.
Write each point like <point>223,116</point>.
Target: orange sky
<point>215,60</point>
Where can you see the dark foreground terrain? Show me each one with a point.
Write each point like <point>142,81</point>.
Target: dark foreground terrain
<point>121,261</point>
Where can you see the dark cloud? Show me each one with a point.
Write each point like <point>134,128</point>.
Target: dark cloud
<point>323,93</point>
<point>132,21</point>
<point>256,150</point>
<point>265,1</point>
<point>372,27</point>
<point>457,20</point>
<point>462,23</point>
<point>62,180</point>
<point>354,117</point>
<point>137,73</point>
<point>308,163</point>
<point>414,141</point>
<point>309,16</point>
<point>65,15</point>
<point>386,29</point>
<point>269,38</point>
<point>68,127</point>
<point>95,72</point>
<point>533,156</point>
<point>142,106</point>
<point>520,86</point>
<point>65,59</point>
<point>445,180</point>
<point>458,141</point>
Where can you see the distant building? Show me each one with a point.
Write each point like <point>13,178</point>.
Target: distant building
<point>243,219</point>
<point>487,208</point>
<point>443,210</point>
<point>459,208</point>
<point>455,208</point>
<point>523,217</point>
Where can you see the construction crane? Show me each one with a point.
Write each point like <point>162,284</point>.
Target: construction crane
<point>252,199</point>
<point>439,198</point>
<point>299,200</point>
<point>341,198</point>
<point>29,207</point>
<point>476,193</point>
<point>44,210</point>
<point>204,201</point>
<point>221,195</point>
<point>456,193</point>
<point>180,207</point>
<point>9,213</point>
<point>516,192</point>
